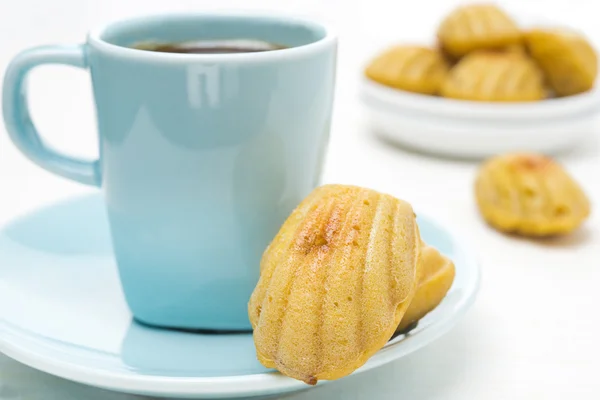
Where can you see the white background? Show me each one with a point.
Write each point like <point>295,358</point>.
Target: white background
<point>534,332</point>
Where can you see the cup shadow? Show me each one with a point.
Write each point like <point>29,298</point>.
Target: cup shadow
<point>576,239</point>
<point>170,352</point>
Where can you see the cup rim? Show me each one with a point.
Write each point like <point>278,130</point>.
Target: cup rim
<point>330,38</point>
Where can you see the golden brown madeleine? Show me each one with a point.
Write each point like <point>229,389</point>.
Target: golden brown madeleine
<point>519,49</point>
<point>515,49</point>
<point>411,68</point>
<point>476,27</point>
<point>495,76</point>
<point>529,194</point>
<point>437,275</point>
<point>567,58</point>
<point>335,282</point>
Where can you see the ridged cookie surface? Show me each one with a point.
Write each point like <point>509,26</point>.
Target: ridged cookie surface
<point>567,58</point>
<point>335,282</point>
<point>477,27</point>
<point>411,68</point>
<point>437,275</point>
<point>495,76</point>
<point>530,194</point>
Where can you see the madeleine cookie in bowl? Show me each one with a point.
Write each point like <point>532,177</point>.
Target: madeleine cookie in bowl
<point>476,27</point>
<point>567,58</point>
<point>495,76</point>
<point>411,68</point>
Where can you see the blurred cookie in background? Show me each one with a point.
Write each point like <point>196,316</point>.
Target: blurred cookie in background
<point>530,194</point>
<point>567,58</point>
<point>412,68</point>
<point>475,27</point>
<point>495,76</point>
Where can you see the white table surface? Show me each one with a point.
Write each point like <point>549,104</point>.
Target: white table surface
<point>534,331</point>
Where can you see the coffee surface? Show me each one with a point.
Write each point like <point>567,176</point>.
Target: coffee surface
<point>209,46</point>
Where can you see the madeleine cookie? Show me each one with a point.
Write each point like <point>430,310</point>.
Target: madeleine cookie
<point>437,275</point>
<point>495,76</point>
<point>335,282</point>
<point>567,58</point>
<point>529,194</point>
<point>475,27</point>
<point>411,68</point>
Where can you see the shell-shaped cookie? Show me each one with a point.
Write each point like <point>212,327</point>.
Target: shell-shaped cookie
<point>529,194</point>
<point>437,274</point>
<point>476,27</point>
<point>411,68</point>
<point>567,58</point>
<point>495,76</point>
<point>335,282</point>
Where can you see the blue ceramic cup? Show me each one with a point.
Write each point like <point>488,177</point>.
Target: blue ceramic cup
<point>202,156</point>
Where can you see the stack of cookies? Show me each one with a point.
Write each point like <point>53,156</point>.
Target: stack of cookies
<point>483,55</point>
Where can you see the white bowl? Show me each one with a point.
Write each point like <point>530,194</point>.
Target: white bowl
<point>472,129</point>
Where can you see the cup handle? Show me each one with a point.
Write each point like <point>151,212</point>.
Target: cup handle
<point>18,119</point>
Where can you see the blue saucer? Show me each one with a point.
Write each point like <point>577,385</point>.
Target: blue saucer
<point>62,311</point>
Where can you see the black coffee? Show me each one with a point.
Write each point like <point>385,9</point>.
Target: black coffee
<point>209,46</point>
